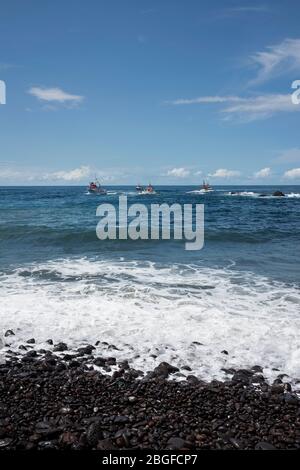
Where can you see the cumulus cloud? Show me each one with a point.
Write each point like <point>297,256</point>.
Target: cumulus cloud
<point>224,173</point>
<point>178,172</point>
<point>292,174</point>
<point>247,109</point>
<point>263,173</point>
<point>74,175</point>
<point>276,60</point>
<point>56,95</point>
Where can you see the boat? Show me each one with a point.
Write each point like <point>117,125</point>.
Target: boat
<point>96,188</point>
<point>148,190</point>
<point>206,188</point>
<point>139,188</point>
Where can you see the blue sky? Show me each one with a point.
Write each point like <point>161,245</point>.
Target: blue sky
<point>169,91</point>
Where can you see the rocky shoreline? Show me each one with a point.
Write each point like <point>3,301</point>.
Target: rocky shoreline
<point>61,399</point>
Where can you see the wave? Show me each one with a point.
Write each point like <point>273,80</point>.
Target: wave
<point>157,312</point>
<point>261,195</point>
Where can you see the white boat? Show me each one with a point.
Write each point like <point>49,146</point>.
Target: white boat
<point>206,188</point>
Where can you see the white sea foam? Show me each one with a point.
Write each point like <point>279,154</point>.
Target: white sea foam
<point>148,309</point>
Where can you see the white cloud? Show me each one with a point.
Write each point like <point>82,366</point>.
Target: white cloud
<point>276,60</point>
<point>223,173</point>
<point>263,173</point>
<point>178,172</point>
<point>249,108</point>
<point>248,9</point>
<point>292,174</point>
<point>54,95</point>
<point>78,174</point>
<point>204,99</point>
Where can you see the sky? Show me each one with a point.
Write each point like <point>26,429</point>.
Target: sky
<point>167,91</point>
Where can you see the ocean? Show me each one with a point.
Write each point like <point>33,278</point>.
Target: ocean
<point>152,299</point>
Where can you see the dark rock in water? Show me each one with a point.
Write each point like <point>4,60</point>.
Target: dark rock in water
<point>257,369</point>
<point>86,350</point>
<point>99,361</point>
<point>277,389</point>
<point>264,446</point>
<point>192,379</point>
<point>164,369</point>
<point>188,368</point>
<point>176,443</point>
<point>242,375</point>
<point>31,341</point>
<point>278,194</point>
<point>60,347</point>
<point>111,361</point>
<point>113,347</point>
<point>49,341</point>
<point>9,333</point>
<point>225,352</point>
<point>124,365</point>
<point>22,347</point>
<point>263,195</point>
<point>32,353</point>
<point>287,387</point>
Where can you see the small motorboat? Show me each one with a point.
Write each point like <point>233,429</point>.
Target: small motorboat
<point>148,190</point>
<point>206,188</point>
<point>139,188</point>
<point>96,188</point>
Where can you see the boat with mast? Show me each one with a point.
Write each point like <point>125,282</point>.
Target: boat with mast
<point>206,188</point>
<point>96,188</point>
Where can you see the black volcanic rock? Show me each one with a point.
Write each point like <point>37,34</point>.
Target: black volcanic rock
<point>47,403</point>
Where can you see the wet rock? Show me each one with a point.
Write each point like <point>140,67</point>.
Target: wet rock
<point>30,341</point>
<point>176,443</point>
<point>278,194</point>
<point>264,446</point>
<point>60,347</point>
<point>86,350</point>
<point>111,361</point>
<point>9,333</point>
<point>94,433</point>
<point>242,375</point>
<point>291,399</point>
<point>49,341</point>
<point>188,368</point>
<point>121,419</point>
<point>225,352</point>
<point>99,361</point>
<point>106,444</point>
<point>5,442</point>
<point>277,389</point>
<point>164,369</point>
